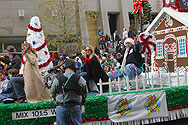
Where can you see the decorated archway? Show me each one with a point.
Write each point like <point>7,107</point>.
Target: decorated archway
<point>170,52</point>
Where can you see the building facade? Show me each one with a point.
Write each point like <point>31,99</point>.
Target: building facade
<point>112,15</point>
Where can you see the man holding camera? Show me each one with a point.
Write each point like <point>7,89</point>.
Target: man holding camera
<point>69,90</point>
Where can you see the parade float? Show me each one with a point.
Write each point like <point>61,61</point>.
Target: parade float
<point>143,106</point>
<point>96,109</point>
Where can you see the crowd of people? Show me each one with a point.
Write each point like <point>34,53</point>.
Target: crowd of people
<point>106,42</point>
<point>16,87</point>
<point>125,61</point>
<point>91,64</point>
<point>82,72</point>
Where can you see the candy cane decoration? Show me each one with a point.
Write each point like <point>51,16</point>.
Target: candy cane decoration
<point>166,54</point>
<point>153,59</point>
<point>135,70</point>
<point>103,66</point>
<point>110,68</point>
<point>166,66</point>
<point>112,76</point>
<point>175,56</point>
<point>123,71</point>
<point>156,69</point>
<point>186,68</point>
<point>147,70</point>
<point>148,42</point>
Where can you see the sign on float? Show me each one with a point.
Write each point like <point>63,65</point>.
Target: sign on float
<point>36,113</point>
<point>33,114</point>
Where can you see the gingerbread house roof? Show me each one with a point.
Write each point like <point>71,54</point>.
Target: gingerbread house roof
<point>179,16</point>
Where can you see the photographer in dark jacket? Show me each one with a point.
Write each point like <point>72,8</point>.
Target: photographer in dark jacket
<point>13,61</point>
<point>69,90</point>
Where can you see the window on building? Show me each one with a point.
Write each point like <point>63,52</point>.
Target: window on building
<point>181,46</point>
<point>159,49</point>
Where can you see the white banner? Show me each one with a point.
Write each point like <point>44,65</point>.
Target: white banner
<point>137,106</point>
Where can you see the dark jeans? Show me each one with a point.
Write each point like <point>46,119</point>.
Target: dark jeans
<point>6,96</point>
<point>84,75</point>
<point>18,87</point>
<point>63,114</point>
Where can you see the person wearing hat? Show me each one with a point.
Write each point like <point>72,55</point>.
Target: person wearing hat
<point>132,57</point>
<point>13,61</point>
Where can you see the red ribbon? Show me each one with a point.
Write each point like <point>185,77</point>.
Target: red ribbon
<point>35,29</point>
<point>177,107</point>
<point>41,47</point>
<point>45,64</point>
<point>95,119</point>
<point>22,60</point>
<point>137,4</point>
<point>41,65</point>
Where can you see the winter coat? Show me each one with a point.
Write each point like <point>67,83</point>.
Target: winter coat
<point>95,71</point>
<point>134,56</point>
<point>34,87</point>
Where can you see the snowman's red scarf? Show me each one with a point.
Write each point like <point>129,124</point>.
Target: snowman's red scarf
<point>35,29</point>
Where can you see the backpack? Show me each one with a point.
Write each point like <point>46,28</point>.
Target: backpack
<point>72,84</point>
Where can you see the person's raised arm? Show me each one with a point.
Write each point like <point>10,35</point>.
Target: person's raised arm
<point>87,60</point>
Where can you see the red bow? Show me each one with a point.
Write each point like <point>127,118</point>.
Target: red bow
<point>137,4</point>
<point>146,43</point>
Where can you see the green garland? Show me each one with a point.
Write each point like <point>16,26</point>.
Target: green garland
<point>146,15</point>
<point>95,106</point>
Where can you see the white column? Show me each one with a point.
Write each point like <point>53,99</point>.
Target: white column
<point>83,24</point>
<point>104,17</point>
<point>125,13</point>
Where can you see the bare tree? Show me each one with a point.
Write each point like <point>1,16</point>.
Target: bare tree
<point>61,22</point>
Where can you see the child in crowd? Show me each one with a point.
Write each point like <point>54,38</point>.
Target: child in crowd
<point>112,63</point>
<point>6,87</point>
<point>2,78</point>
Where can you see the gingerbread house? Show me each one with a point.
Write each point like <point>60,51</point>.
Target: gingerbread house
<point>170,29</point>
